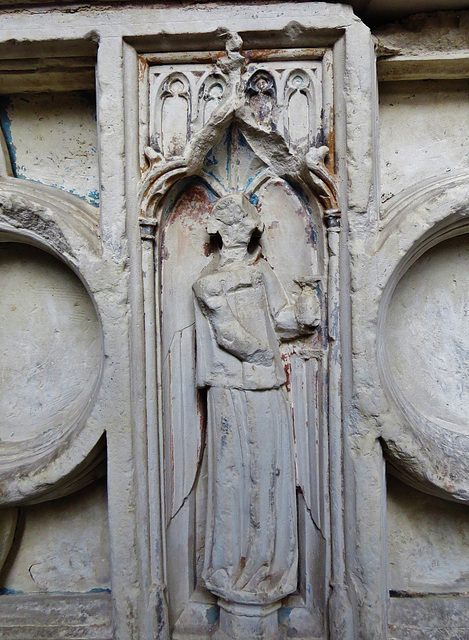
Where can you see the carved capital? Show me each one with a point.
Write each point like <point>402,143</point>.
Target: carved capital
<point>332,219</point>
<point>148,228</point>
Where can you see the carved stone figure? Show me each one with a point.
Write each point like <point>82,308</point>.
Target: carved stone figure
<point>251,550</point>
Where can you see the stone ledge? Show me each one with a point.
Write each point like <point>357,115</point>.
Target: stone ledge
<point>73,616</point>
<point>429,617</point>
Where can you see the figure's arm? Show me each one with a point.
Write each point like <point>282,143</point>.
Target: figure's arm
<point>291,320</point>
<point>229,333</point>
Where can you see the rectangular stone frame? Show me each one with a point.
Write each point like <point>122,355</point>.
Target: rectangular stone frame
<point>416,56</point>
<point>357,605</point>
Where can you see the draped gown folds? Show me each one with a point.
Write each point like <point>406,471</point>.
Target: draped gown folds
<point>251,547</point>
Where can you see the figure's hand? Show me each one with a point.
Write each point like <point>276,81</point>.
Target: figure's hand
<point>308,309</point>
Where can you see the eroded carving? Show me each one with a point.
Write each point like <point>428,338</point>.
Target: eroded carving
<point>424,429</point>
<point>261,94</point>
<point>44,438</point>
<point>251,536</point>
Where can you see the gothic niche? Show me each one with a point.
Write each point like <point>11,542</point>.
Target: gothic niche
<point>174,115</point>
<point>241,276</point>
<point>242,359</point>
<point>261,95</point>
<point>299,98</point>
<point>211,94</point>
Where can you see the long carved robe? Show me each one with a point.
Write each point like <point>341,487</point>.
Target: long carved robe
<point>251,534</point>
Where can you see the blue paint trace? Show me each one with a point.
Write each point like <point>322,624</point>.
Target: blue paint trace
<point>231,163</point>
<point>7,105</point>
<point>284,615</point>
<point>212,614</point>
<point>5,124</point>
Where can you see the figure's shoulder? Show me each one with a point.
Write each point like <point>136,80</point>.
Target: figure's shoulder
<point>263,267</point>
<point>208,285</point>
<point>262,264</point>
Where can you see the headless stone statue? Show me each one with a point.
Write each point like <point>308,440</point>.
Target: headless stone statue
<point>251,548</point>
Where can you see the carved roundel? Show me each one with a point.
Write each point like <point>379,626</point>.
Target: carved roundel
<point>51,348</point>
<point>52,345</point>
<point>423,338</point>
<point>427,334</point>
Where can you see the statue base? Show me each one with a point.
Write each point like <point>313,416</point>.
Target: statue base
<point>248,621</point>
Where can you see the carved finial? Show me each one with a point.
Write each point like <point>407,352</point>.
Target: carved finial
<point>233,46</point>
<point>233,43</point>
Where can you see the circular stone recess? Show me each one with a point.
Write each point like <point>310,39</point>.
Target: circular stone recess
<point>427,334</point>
<point>50,345</point>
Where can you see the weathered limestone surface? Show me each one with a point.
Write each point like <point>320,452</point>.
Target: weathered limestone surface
<point>52,138</point>
<point>422,132</point>
<point>233,261</point>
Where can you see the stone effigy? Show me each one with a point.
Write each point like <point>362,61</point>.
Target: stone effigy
<point>251,549</point>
